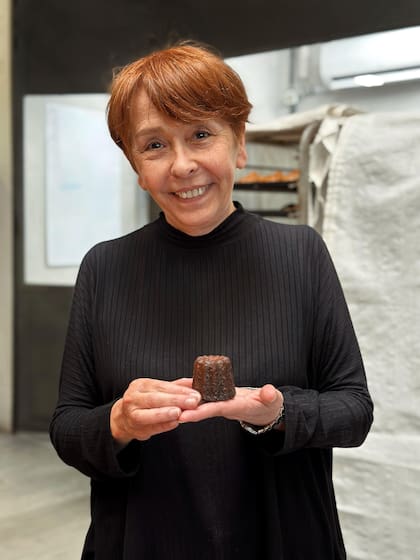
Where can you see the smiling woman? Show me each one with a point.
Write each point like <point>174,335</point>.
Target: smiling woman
<point>194,161</point>
<point>172,476</point>
<point>180,120</point>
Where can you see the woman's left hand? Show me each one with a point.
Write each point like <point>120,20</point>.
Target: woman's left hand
<point>258,406</point>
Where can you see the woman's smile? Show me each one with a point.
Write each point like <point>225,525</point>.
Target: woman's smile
<point>193,193</point>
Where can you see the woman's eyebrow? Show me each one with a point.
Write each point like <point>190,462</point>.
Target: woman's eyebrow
<point>147,131</point>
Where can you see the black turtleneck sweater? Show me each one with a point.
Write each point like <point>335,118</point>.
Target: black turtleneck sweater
<point>146,305</point>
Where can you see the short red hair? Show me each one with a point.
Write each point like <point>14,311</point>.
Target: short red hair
<point>186,82</point>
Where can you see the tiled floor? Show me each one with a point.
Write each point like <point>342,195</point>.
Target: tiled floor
<point>44,505</point>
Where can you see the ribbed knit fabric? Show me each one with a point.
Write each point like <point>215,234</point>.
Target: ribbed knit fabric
<point>146,305</point>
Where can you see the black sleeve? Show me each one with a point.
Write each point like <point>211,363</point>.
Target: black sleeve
<point>335,410</point>
<point>80,426</point>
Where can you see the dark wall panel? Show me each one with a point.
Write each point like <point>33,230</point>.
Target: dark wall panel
<point>71,47</point>
<point>42,320</point>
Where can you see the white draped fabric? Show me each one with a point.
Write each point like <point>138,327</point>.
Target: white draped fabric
<point>371,224</point>
<point>362,193</point>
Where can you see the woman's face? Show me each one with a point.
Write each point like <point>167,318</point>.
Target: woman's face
<point>188,169</point>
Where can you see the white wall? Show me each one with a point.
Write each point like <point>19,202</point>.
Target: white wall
<point>390,97</point>
<point>265,76</point>
<point>6,223</point>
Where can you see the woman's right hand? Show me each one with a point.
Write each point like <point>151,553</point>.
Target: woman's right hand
<point>149,407</point>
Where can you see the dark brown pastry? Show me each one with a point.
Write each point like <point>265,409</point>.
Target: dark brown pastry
<point>213,378</point>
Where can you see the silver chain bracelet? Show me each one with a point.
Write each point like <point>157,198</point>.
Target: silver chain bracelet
<point>255,431</point>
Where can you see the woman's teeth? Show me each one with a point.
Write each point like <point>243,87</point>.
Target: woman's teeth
<point>193,193</point>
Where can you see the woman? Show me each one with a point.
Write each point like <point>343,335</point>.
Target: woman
<point>248,478</point>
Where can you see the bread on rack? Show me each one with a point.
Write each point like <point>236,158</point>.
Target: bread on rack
<point>274,177</point>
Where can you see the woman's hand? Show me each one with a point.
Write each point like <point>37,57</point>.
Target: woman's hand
<point>149,407</point>
<point>258,406</point>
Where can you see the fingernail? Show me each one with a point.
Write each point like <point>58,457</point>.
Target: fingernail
<point>191,401</point>
<point>174,413</point>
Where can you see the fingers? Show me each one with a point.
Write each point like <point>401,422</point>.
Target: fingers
<point>148,417</point>
<point>159,399</point>
<point>257,406</point>
<point>150,406</point>
<point>152,393</point>
<point>146,385</point>
<point>205,411</point>
<point>268,394</point>
<point>128,422</point>
<point>146,423</point>
<point>183,382</point>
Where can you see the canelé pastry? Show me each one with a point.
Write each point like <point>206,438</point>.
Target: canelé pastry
<point>213,378</point>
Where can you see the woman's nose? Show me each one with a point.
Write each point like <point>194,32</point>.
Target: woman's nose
<point>183,163</point>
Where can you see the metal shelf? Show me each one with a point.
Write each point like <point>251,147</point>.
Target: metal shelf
<point>267,187</point>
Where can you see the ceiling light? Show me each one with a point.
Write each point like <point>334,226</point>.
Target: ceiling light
<point>368,80</point>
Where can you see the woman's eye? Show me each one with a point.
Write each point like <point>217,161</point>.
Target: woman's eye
<point>156,145</point>
<point>200,134</point>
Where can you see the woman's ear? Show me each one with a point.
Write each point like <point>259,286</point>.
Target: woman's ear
<point>140,184</point>
<point>242,156</point>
